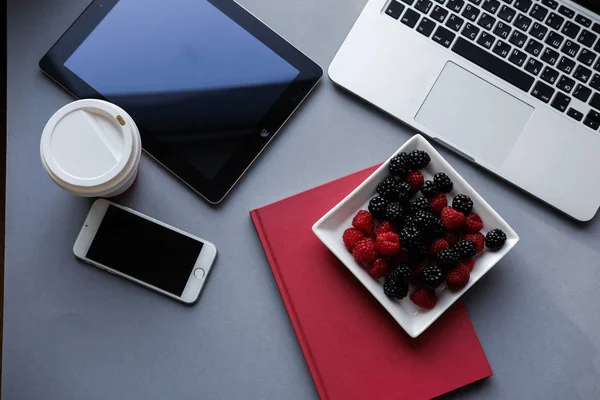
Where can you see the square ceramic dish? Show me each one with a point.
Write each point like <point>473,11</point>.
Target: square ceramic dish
<point>412,319</point>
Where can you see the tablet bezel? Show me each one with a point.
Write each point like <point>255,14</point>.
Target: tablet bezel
<point>213,190</point>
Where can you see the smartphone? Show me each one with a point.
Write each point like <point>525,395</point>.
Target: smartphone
<point>134,246</point>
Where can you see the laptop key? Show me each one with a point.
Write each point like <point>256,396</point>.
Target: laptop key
<point>596,27</point>
<point>439,14</point>
<point>576,115</point>
<point>409,2</point>
<point>491,6</point>
<point>493,64</point>
<point>567,12</point>
<point>550,3</point>
<point>410,18</point>
<point>394,9</point>
<point>486,40</point>
<point>550,56</point>
<point>455,5</point>
<point>538,12</point>
<point>424,6</point>
<point>443,36</point>
<point>426,26</point>
<point>470,31</point>
<point>554,21</point>
<point>533,66</point>
<point>582,93</point>
<point>587,38</point>
<point>502,30</point>
<point>522,5</point>
<point>502,49</point>
<point>565,84</point>
<point>585,21</point>
<point>549,75</point>
<point>571,29</point>
<point>592,120</point>
<point>534,47</point>
<point>597,46</point>
<point>522,22</point>
<point>518,39</point>
<point>571,48</point>
<point>554,40</point>
<point>517,57</point>
<point>454,22</point>
<point>542,92</point>
<point>486,21</point>
<point>595,82</point>
<point>471,12</point>
<point>586,57</point>
<point>582,74</point>
<point>538,31</point>
<point>506,13</point>
<point>476,2</point>
<point>561,102</point>
<point>566,65</point>
<point>595,101</point>
<point>597,66</point>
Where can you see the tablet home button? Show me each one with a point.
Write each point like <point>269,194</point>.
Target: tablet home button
<point>199,273</point>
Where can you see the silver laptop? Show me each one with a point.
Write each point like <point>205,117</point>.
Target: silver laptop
<point>513,85</point>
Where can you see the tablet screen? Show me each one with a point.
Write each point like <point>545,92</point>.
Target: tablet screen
<point>192,79</point>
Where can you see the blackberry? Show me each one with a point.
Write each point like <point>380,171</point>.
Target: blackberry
<point>432,276</point>
<point>495,239</point>
<point>404,191</point>
<point>462,203</point>
<point>410,237</point>
<point>378,206</point>
<point>422,220</point>
<point>418,253</point>
<point>399,165</point>
<point>429,189</point>
<point>388,189</point>
<point>395,289</point>
<point>465,249</point>
<point>401,273</point>
<point>418,159</point>
<point>436,228</point>
<point>420,204</point>
<point>443,182</point>
<point>448,258</point>
<point>394,213</point>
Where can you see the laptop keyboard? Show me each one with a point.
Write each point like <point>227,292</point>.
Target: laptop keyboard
<point>539,46</point>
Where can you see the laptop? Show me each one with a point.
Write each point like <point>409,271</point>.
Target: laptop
<point>513,85</point>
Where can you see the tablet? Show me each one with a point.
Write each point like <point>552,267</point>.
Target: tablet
<point>208,84</point>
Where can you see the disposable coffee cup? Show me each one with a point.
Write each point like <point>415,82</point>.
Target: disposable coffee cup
<point>91,148</point>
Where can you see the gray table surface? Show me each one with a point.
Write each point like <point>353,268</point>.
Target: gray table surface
<point>75,332</point>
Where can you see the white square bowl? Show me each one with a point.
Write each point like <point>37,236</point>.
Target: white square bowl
<point>412,319</point>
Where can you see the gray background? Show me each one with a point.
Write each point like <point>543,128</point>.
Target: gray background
<point>74,332</point>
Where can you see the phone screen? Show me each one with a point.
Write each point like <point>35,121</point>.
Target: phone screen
<point>144,250</point>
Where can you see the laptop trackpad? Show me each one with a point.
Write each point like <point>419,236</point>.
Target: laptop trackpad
<point>474,115</point>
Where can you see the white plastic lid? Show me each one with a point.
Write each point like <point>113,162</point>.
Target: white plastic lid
<point>88,143</point>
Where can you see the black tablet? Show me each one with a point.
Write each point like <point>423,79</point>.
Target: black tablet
<point>208,84</point>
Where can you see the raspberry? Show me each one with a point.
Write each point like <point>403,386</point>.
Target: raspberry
<point>417,269</point>
<point>437,245</point>
<point>352,236</point>
<point>432,276</point>
<point>447,258</point>
<point>363,221</point>
<point>473,223</point>
<point>418,159</point>
<point>468,263</point>
<point>415,180</point>
<point>377,207</point>
<point>388,244</point>
<point>383,227</point>
<point>462,203</point>
<point>443,182</point>
<point>451,237</point>
<point>437,203</point>
<point>379,269</point>
<point>466,249</point>
<point>458,277</point>
<point>478,239</point>
<point>495,239</point>
<point>429,189</point>
<point>424,298</point>
<point>364,252</point>
<point>398,165</point>
<point>395,289</point>
<point>452,219</point>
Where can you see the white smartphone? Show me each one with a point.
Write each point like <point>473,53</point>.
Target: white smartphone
<point>134,246</point>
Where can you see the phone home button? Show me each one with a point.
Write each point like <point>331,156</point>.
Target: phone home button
<point>199,273</point>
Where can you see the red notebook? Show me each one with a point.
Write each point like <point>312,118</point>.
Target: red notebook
<point>353,347</point>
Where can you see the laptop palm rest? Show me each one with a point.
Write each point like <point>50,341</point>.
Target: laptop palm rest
<point>474,115</point>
